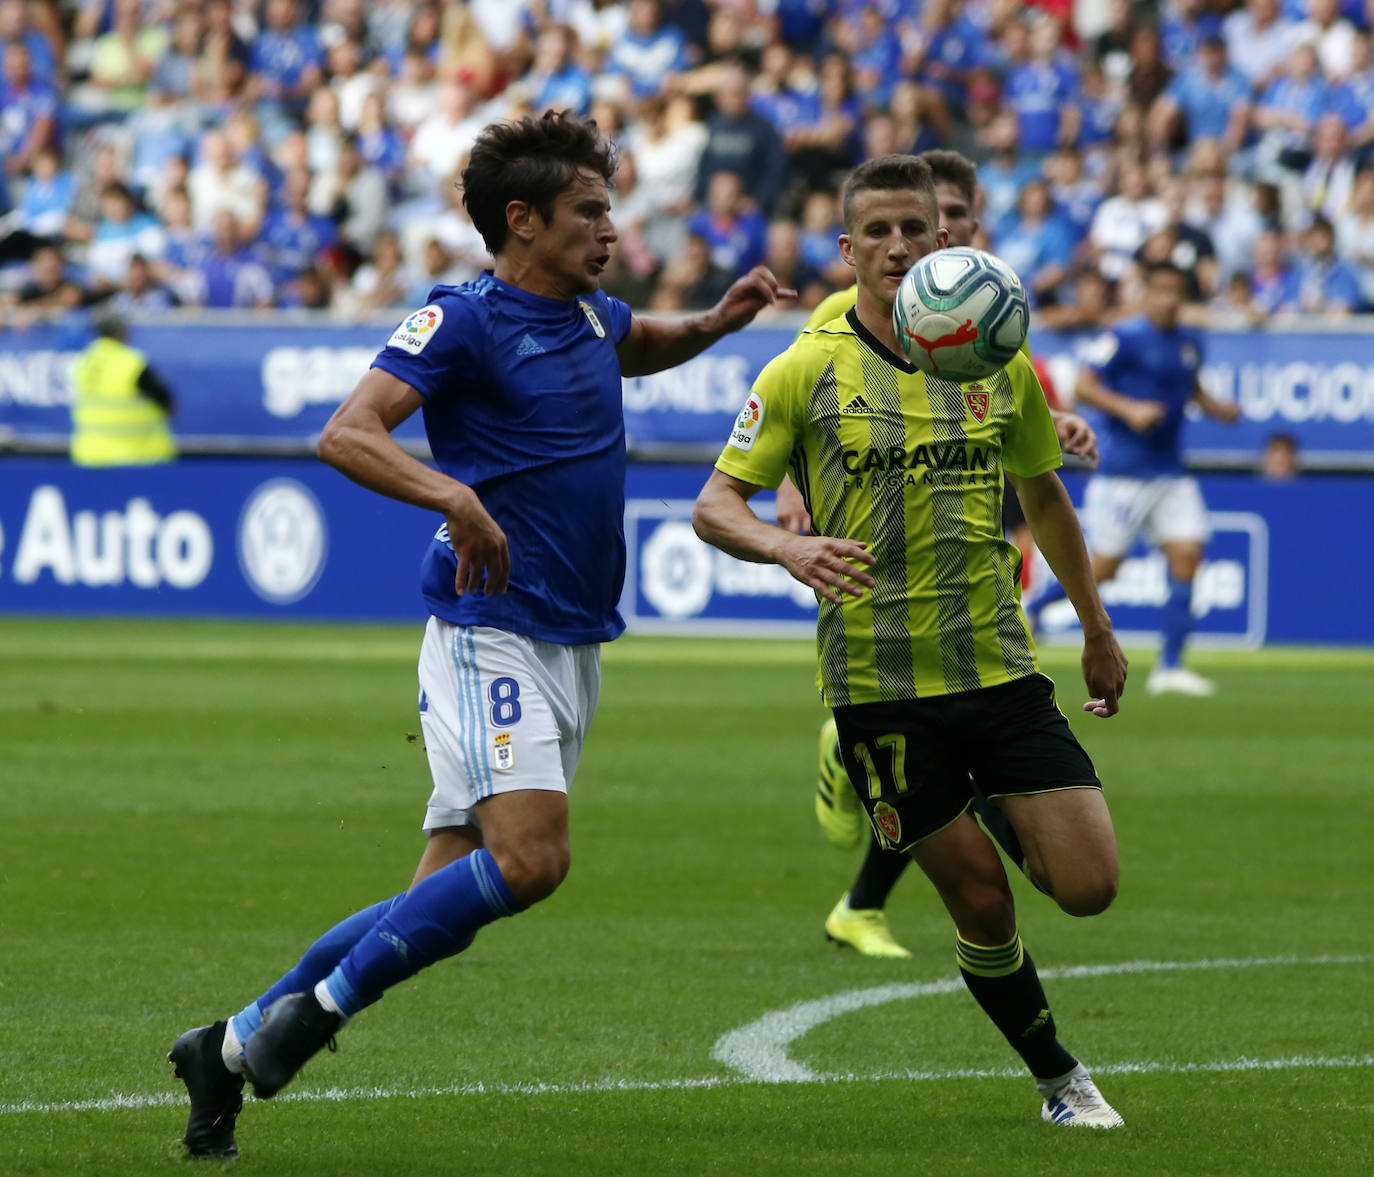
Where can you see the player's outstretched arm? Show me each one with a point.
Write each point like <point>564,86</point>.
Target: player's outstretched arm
<point>1054,525</point>
<point>1140,415</point>
<point>357,442</point>
<point>1218,410</point>
<point>651,345</point>
<point>722,518</point>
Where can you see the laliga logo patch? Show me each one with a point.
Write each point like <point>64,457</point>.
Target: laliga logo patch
<point>592,319</point>
<point>977,401</point>
<point>747,423</point>
<point>417,330</point>
<point>505,752</point>
<point>888,823</point>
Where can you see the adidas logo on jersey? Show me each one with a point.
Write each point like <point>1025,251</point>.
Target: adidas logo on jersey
<point>857,405</point>
<point>529,347</point>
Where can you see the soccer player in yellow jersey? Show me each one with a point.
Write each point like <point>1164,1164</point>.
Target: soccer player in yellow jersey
<point>925,655</point>
<point>859,918</point>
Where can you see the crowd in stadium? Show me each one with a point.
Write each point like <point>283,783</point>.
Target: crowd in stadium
<point>303,153</point>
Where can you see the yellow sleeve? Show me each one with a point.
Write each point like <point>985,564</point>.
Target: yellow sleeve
<point>1031,446</point>
<point>832,307</point>
<point>769,426</point>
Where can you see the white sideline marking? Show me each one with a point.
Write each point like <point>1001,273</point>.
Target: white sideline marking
<point>804,1016</point>
<point>758,1051</point>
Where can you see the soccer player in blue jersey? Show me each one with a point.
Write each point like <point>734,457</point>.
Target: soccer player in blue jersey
<point>1143,380</point>
<point>518,375</point>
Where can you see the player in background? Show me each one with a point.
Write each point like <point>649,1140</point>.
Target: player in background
<point>924,654</point>
<point>1143,380</point>
<point>518,375</point>
<point>859,918</point>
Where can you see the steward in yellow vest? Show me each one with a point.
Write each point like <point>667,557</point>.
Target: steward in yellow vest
<point>119,405</point>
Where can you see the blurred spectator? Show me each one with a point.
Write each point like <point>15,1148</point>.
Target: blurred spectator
<point>1036,243</point>
<point>379,144</point>
<point>220,182</point>
<point>867,39</point>
<point>40,215</point>
<point>784,258</point>
<point>229,275</point>
<point>122,231</point>
<point>1209,99</point>
<point>308,291</point>
<point>1323,186</point>
<point>1258,41</point>
<point>1226,213</point>
<point>629,275</point>
<point>817,243</point>
<point>351,81</point>
<point>1101,105</point>
<point>176,78</point>
<point>1090,306</point>
<point>734,232</point>
<point>412,97</point>
<point>444,137</point>
<point>384,281</point>
<point>920,116</point>
<point>1279,458</point>
<point>122,60</point>
<point>741,141</point>
<point>292,234</point>
<point>1233,308</point>
<point>16,24</point>
<point>353,193</point>
<point>648,54</point>
<point>28,111</point>
<point>1124,221</point>
<point>1149,76</point>
<point>691,281</point>
<point>1005,173</point>
<point>556,81</point>
<point>1075,196</point>
<point>286,58</point>
<point>1290,105</point>
<point>141,290</point>
<point>1183,245</point>
<point>1186,24</point>
<point>821,140</point>
<point>224,56</point>
<point>1353,96</point>
<point>1273,281</point>
<point>944,49</point>
<point>323,131</point>
<point>1040,87</point>
<point>1331,34</point>
<point>46,288</point>
<point>1326,284</point>
<point>1355,232</point>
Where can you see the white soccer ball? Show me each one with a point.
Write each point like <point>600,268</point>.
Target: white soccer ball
<point>960,314</point>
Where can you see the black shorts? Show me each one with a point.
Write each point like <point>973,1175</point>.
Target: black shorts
<point>917,763</point>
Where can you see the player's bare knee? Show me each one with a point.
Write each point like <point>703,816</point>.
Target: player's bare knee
<point>1087,896</point>
<point>987,910</point>
<point>533,873</point>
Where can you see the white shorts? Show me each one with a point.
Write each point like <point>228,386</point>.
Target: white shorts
<point>500,712</point>
<point>1167,509</point>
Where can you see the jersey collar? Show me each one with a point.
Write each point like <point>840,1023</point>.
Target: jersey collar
<point>876,345</point>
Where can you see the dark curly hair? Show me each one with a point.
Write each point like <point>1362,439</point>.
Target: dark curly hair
<point>531,159</point>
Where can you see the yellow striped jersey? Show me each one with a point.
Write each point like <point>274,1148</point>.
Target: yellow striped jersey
<point>912,465</point>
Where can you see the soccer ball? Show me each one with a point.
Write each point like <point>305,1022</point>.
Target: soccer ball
<point>960,314</point>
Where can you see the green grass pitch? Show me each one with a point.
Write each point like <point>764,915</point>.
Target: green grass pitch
<point>184,806</point>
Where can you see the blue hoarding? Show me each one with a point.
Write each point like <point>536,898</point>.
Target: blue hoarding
<point>275,383</point>
<point>1290,562</point>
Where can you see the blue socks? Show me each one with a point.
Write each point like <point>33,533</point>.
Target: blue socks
<point>1177,622</point>
<point>319,959</point>
<point>437,919</point>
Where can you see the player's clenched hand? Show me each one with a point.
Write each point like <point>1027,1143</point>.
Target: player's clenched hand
<point>1104,672</point>
<point>480,545</point>
<point>747,296</point>
<point>1076,437</point>
<point>1142,416</point>
<point>828,565</point>
<point>792,513</point>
